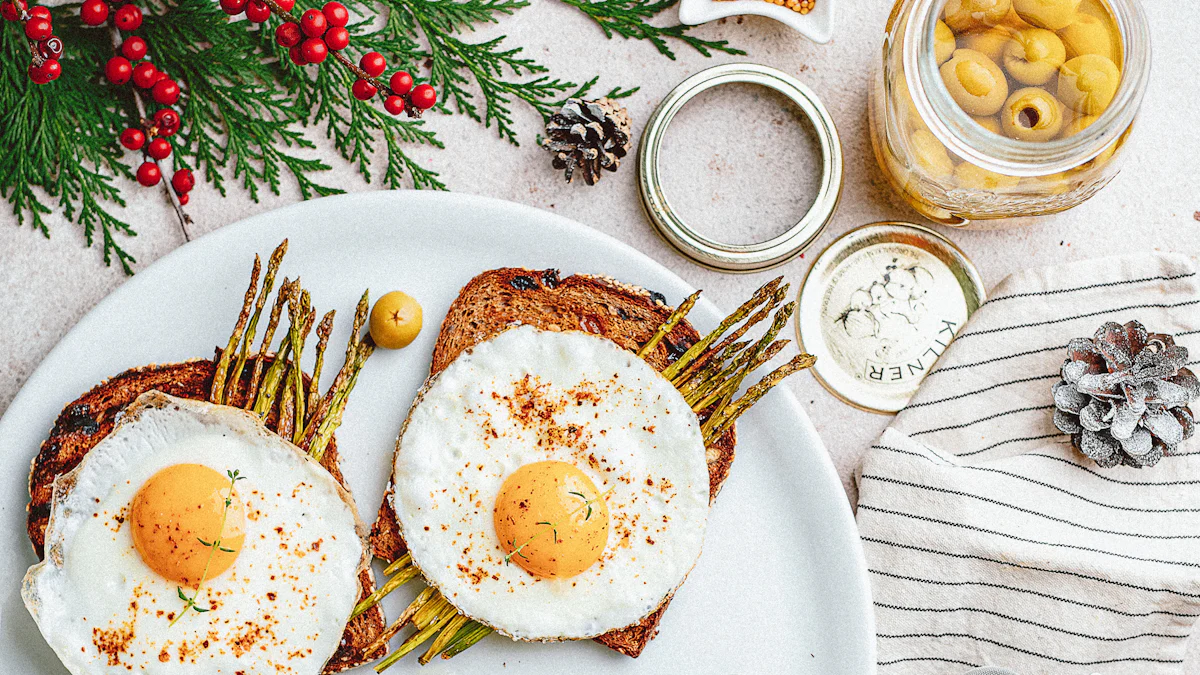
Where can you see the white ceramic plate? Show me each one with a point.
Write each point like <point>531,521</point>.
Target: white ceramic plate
<point>817,25</point>
<point>781,586</point>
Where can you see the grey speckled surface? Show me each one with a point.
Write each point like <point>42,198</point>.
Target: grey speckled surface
<point>734,161</point>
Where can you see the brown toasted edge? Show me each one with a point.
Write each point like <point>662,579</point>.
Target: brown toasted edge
<point>651,311</point>
<point>88,419</point>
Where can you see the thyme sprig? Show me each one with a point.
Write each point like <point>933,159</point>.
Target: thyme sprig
<point>553,526</point>
<point>189,603</point>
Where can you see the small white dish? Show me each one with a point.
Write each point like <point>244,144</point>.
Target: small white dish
<point>817,25</point>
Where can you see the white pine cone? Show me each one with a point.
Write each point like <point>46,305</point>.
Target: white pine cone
<point>587,137</point>
<point>1124,395</point>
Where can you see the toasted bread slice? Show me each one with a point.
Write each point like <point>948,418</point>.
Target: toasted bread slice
<point>88,419</point>
<point>496,300</point>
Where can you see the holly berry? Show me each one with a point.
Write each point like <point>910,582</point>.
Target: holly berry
<point>118,70</point>
<point>40,12</point>
<point>286,5</point>
<point>401,82</point>
<point>257,11</point>
<point>363,90</point>
<point>51,69</point>
<point>183,199</point>
<point>11,9</point>
<point>51,47</point>
<point>145,75</point>
<point>128,17</point>
<point>297,56</point>
<point>314,50</point>
<point>424,97</point>
<point>393,104</point>
<point>233,7</point>
<point>288,34</point>
<point>167,121</point>
<point>149,174</point>
<point>38,74</point>
<point>165,91</point>
<point>159,148</point>
<point>336,14</point>
<point>160,76</point>
<point>134,48</point>
<point>313,23</point>
<point>133,138</point>
<point>337,38</point>
<point>183,181</point>
<point>373,63</point>
<point>93,12</point>
<point>38,28</point>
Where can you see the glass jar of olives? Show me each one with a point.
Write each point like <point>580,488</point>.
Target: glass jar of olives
<point>992,109</point>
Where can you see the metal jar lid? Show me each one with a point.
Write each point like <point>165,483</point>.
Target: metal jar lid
<point>879,306</point>
<point>740,257</point>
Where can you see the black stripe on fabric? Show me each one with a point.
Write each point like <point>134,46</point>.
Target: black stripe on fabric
<point>1055,598</point>
<point>939,659</point>
<point>1055,544</point>
<point>996,502</point>
<point>980,391</point>
<point>1114,480</point>
<point>998,615</point>
<point>1034,481</point>
<point>1128,659</point>
<point>1009,563</point>
<point>1011,440</point>
<point>981,419</point>
<point>1108,284</point>
<point>996,359</point>
<point>1064,319</point>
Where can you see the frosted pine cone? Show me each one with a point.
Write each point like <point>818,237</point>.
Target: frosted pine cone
<point>1124,395</point>
<point>588,136</point>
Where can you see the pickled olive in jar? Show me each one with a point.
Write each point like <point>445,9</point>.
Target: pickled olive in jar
<point>991,42</point>
<point>989,123</point>
<point>975,82</point>
<point>964,15</point>
<point>1087,83</point>
<point>1055,183</point>
<point>1014,20</point>
<point>1079,124</point>
<point>978,178</point>
<point>1050,14</point>
<point>930,154</point>
<point>944,44</point>
<point>1088,35</point>
<point>1034,56</point>
<point>1031,114</point>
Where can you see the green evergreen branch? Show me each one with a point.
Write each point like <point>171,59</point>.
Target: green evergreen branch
<point>631,19</point>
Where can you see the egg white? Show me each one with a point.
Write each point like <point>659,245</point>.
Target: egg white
<point>527,396</point>
<point>281,607</point>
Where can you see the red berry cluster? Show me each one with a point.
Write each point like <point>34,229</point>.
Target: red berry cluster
<point>320,32</point>
<point>152,137</point>
<point>46,47</point>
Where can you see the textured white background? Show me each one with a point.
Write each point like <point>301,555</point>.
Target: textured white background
<point>737,162</point>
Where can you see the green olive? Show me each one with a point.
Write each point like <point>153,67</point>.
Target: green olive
<point>930,155</point>
<point>1034,56</point>
<point>977,178</point>
<point>1053,184</point>
<point>964,15</point>
<point>395,320</point>
<point>1096,8</point>
<point>1031,114</point>
<point>989,123</point>
<point>1014,20</point>
<point>1088,35</point>
<point>1079,124</point>
<point>943,42</point>
<point>991,42</point>
<point>1050,14</point>
<point>975,82</point>
<point>1087,83</point>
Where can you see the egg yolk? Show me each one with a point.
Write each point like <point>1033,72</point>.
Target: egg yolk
<point>551,519</point>
<point>178,514</point>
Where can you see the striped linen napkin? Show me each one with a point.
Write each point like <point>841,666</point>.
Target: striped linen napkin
<point>990,540</point>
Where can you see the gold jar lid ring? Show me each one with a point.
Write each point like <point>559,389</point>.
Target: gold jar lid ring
<point>740,257</point>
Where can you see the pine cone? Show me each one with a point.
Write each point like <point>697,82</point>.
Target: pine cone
<point>588,136</point>
<point>1124,395</point>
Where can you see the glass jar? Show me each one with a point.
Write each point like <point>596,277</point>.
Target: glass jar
<point>955,171</point>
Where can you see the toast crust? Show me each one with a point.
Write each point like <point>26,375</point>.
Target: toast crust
<point>91,417</point>
<point>498,299</point>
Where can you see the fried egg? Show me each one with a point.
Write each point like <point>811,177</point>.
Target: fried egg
<point>189,500</point>
<point>552,485</point>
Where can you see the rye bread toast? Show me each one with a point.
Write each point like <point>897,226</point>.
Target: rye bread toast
<point>498,299</point>
<point>88,419</point>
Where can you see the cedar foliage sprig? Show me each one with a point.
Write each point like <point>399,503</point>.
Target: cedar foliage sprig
<point>632,19</point>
